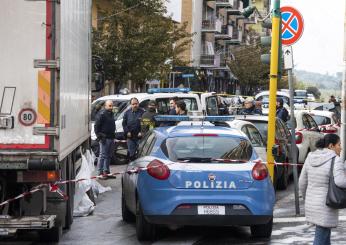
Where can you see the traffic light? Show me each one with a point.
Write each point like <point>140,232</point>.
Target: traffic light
<point>266,42</point>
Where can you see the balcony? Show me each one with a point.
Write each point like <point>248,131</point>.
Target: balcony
<point>226,32</point>
<point>211,25</point>
<point>237,37</point>
<point>207,60</point>
<point>225,3</point>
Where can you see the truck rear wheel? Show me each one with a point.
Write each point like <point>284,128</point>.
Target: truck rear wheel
<point>52,235</point>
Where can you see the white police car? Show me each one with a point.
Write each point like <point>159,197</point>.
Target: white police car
<point>207,102</point>
<point>197,175</point>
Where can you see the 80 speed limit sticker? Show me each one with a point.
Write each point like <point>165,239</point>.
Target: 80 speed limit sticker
<point>27,117</point>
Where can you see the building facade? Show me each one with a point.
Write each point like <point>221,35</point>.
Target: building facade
<point>218,25</point>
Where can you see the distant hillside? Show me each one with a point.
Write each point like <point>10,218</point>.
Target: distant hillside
<point>322,81</point>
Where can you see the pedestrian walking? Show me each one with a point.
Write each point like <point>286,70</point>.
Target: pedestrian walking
<point>148,118</point>
<point>181,108</point>
<point>250,108</point>
<point>281,111</point>
<point>314,181</point>
<point>105,132</point>
<point>132,127</point>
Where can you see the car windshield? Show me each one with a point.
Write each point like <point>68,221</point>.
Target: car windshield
<point>118,107</point>
<point>206,148</point>
<point>284,98</point>
<point>300,94</point>
<point>321,120</point>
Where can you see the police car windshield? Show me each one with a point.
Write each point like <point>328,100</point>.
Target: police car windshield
<point>207,149</point>
<point>118,107</point>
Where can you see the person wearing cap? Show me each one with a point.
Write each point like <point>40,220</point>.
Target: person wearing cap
<point>148,118</point>
<point>281,111</point>
<point>250,107</point>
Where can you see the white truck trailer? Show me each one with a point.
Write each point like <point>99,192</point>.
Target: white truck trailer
<point>45,72</point>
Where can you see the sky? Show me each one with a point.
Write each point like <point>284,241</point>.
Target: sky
<point>320,48</point>
<point>174,9</point>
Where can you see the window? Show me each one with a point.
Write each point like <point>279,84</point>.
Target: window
<point>144,104</point>
<point>321,120</point>
<point>305,121</point>
<point>212,109</point>
<point>119,107</point>
<point>163,105</point>
<point>146,144</point>
<point>253,135</point>
<point>202,148</point>
<point>312,122</point>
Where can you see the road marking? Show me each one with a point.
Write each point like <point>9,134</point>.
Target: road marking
<point>298,219</point>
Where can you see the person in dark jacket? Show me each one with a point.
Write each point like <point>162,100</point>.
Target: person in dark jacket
<point>132,127</point>
<point>181,108</point>
<point>105,132</point>
<point>148,118</point>
<point>281,111</point>
<point>250,107</point>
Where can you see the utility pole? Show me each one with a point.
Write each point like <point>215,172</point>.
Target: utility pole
<point>274,65</point>
<point>343,100</point>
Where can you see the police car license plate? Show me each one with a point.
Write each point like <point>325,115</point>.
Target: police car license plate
<point>211,210</point>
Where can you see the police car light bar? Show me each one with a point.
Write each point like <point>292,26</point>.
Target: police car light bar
<point>163,118</point>
<point>168,90</point>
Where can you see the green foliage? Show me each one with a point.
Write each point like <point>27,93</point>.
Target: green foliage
<point>315,91</point>
<point>248,68</point>
<point>135,41</point>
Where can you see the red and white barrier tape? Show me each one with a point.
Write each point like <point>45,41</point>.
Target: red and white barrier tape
<point>54,187</point>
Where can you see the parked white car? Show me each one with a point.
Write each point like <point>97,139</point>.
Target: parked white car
<point>327,121</point>
<point>311,98</point>
<point>307,134</point>
<point>264,98</point>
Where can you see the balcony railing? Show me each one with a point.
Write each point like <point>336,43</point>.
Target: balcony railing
<point>207,60</point>
<point>225,3</point>
<point>226,32</point>
<point>211,25</point>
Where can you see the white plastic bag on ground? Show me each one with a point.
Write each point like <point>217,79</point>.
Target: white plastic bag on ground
<point>83,206</point>
<point>95,185</point>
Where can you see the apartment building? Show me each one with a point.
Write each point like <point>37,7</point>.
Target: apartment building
<point>217,26</point>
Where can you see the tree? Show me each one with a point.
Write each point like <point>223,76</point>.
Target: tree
<point>315,91</point>
<point>136,41</point>
<point>248,68</point>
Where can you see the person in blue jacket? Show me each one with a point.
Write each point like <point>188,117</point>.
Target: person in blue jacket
<point>132,127</point>
<point>281,111</point>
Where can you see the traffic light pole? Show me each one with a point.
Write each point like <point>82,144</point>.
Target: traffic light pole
<point>274,64</point>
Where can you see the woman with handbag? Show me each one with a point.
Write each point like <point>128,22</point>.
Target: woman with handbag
<point>314,184</point>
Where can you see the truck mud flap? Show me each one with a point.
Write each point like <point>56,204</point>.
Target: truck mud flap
<point>9,225</point>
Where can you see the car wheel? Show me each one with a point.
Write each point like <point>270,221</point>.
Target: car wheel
<point>119,156</point>
<point>283,180</point>
<point>263,231</point>
<point>125,212</point>
<point>144,230</point>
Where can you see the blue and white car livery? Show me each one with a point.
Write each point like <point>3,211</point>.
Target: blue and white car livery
<point>197,175</point>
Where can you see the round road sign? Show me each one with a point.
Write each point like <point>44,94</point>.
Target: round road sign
<point>292,25</point>
<point>27,117</point>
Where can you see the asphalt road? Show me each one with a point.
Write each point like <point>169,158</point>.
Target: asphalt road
<point>105,226</point>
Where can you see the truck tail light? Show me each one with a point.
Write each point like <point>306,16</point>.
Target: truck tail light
<point>299,137</point>
<point>38,176</point>
<point>158,170</point>
<point>259,171</point>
